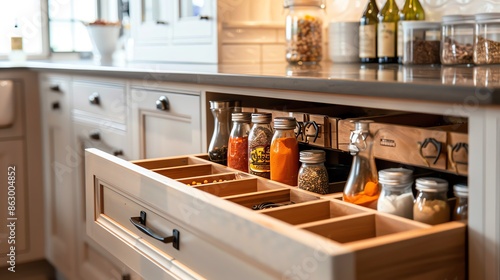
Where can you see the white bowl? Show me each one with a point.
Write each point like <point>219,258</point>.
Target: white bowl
<point>104,39</point>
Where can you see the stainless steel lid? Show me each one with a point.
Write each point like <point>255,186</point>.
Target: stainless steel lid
<point>461,190</point>
<point>242,117</point>
<point>458,19</point>
<point>362,125</point>
<point>487,17</point>
<point>312,156</point>
<point>262,117</point>
<point>214,104</point>
<point>285,123</point>
<point>395,176</point>
<point>288,3</point>
<point>431,184</point>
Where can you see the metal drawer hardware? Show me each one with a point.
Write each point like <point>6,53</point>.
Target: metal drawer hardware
<point>118,153</point>
<point>307,125</point>
<point>55,88</point>
<point>162,22</point>
<point>204,17</point>
<point>455,149</point>
<point>300,131</point>
<point>423,145</point>
<point>95,136</point>
<point>56,106</point>
<point>94,99</point>
<point>140,224</point>
<point>162,103</point>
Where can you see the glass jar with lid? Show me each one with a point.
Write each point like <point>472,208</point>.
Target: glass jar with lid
<point>396,196</point>
<point>237,153</point>
<point>457,39</point>
<point>460,212</point>
<point>259,144</point>
<point>431,205</point>
<point>284,151</point>
<point>313,176</point>
<point>304,31</point>
<point>487,38</point>
<point>421,42</point>
<point>217,150</point>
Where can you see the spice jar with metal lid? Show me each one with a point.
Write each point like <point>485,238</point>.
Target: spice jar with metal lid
<point>304,31</point>
<point>421,42</point>
<point>237,153</point>
<point>284,151</point>
<point>396,196</point>
<point>259,144</point>
<point>431,205</point>
<point>487,38</point>
<point>313,175</point>
<point>217,150</point>
<point>460,212</point>
<point>457,40</point>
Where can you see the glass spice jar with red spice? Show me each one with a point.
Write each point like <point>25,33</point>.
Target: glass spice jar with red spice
<point>284,151</point>
<point>237,153</point>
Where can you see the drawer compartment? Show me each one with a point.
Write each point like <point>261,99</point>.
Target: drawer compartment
<point>229,187</point>
<point>275,198</point>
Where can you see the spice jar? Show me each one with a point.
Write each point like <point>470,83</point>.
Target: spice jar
<point>312,175</point>
<point>237,153</point>
<point>457,44</point>
<point>431,205</point>
<point>396,196</point>
<point>460,212</point>
<point>422,42</point>
<point>487,38</point>
<point>259,144</point>
<point>217,150</point>
<point>284,151</point>
<point>303,31</point>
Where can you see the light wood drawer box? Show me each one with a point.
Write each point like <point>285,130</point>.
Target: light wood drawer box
<point>321,237</point>
<point>103,100</point>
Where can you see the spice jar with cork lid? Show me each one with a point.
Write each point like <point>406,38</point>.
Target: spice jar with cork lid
<point>487,39</point>
<point>313,176</point>
<point>304,31</point>
<point>431,205</point>
<point>457,40</point>
<point>396,196</point>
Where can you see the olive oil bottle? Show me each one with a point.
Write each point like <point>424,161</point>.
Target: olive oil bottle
<point>387,32</point>
<point>368,33</point>
<point>412,10</point>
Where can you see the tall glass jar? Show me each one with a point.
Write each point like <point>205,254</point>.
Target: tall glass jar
<point>431,205</point>
<point>285,151</point>
<point>259,144</point>
<point>362,184</point>
<point>457,39</point>
<point>460,213</point>
<point>487,39</point>
<point>217,150</point>
<point>396,196</point>
<point>313,175</point>
<point>304,31</point>
<point>237,153</point>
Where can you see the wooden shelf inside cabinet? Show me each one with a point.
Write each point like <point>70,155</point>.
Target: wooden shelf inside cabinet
<point>353,242</point>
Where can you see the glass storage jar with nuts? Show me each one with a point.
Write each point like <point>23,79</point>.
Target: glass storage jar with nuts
<point>487,39</point>
<point>304,31</point>
<point>422,42</point>
<point>457,43</point>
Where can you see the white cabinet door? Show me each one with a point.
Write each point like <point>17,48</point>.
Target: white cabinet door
<point>151,21</point>
<point>194,21</point>
<point>166,122</point>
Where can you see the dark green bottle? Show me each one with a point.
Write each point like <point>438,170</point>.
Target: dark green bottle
<point>412,10</point>
<point>368,33</point>
<point>388,18</point>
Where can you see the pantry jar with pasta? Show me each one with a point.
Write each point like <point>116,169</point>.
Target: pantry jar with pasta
<point>304,31</point>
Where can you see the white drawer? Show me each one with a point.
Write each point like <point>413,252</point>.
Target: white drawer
<point>105,100</point>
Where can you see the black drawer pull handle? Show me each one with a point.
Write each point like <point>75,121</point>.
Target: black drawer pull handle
<point>56,106</point>
<point>95,136</point>
<point>423,145</point>
<point>55,88</point>
<point>140,224</point>
<point>204,17</point>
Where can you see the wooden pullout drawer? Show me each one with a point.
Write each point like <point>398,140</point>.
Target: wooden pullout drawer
<point>221,237</point>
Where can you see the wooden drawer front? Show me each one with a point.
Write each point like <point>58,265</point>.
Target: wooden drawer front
<point>458,152</point>
<point>101,99</point>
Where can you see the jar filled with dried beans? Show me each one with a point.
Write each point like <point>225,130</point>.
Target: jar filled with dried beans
<point>304,31</point>
<point>457,40</point>
<point>237,151</point>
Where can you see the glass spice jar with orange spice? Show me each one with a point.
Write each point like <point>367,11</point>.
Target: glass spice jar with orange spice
<point>237,149</point>
<point>284,151</point>
<point>362,184</point>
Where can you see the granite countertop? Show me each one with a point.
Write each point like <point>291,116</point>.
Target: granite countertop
<point>439,83</point>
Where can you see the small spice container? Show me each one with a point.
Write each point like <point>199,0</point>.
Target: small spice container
<point>259,143</point>
<point>422,42</point>
<point>313,176</point>
<point>304,31</point>
<point>460,212</point>
<point>431,205</point>
<point>284,151</point>
<point>487,39</point>
<point>396,196</point>
<point>457,45</point>
<point>237,152</point>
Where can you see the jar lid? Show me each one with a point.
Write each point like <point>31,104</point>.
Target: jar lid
<point>413,24</point>
<point>487,16</point>
<point>395,176</point>
<point>461,190</point>
<point>241,117</point>
<point>262,117</point>
<point>312,156</point>
<point>431,184</point>
<point>362,125</point>
<point>285,123</point>
<point>458,18</point>
<point>288,3</point>
<point>219,104</point>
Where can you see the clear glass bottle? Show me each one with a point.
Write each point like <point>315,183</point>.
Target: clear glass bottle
<point>313,175</point>
<point>457,39</point>
<point>304,31</point>
<point>368,33</point>
<point>396,196</point>
<point>237,153</point>
<point>362,184</point>
<point>412,10</point>
<point>460,212</point>
<point>284,151</point>
<point>217,150</point>
<point>431,204</point>
<point>387,32</point>
<point>259,145</point>
<point>487,39</point>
